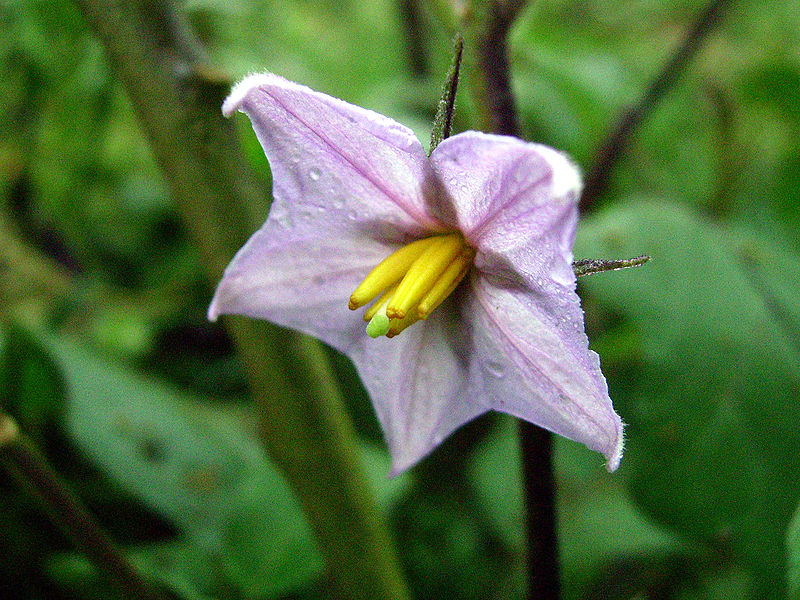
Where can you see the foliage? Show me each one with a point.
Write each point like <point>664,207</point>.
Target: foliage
<point>141,404</point>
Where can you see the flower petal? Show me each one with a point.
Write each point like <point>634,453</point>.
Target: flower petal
<point>538,367</point>
<point>301,283</point>
<point>417,382</point>
<point>335,162</point>
<point>515,202</point>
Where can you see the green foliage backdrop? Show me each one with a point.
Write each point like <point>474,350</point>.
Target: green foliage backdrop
<point>108,362</point>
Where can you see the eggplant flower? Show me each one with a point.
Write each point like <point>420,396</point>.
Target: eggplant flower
<point>464,258</point>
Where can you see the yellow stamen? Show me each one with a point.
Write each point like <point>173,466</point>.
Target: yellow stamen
<point>444,286</point>
<point>412,282</point>
<point>423,274</point>
<point>398,325</point>
<point>380,303</point>
<point>389,271</point>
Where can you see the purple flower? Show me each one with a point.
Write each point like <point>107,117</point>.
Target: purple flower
<point>478,282</point>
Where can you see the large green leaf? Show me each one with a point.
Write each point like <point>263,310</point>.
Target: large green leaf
<point>202,468</point>
<point>710,390</point>
<point>198,468</point>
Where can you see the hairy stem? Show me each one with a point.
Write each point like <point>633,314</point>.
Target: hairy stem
<point>611,149</point>
<point>304,425</point>
<point>26,464</point>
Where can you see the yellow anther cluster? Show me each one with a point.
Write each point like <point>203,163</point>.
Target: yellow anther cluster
<point>412,282</point>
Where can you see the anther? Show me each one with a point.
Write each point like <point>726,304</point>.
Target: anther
<point>423,274</point>
<point>389,271</point>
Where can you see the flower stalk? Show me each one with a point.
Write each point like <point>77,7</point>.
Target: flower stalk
<point>26,464</point>
<point>494,94</point>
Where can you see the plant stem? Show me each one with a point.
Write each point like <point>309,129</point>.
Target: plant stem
<point>490,43</point>
<point>26,464</point>
<point>537,464</point>
<point>617,140</point>
<point>304,425</point>
<point>490,36</point>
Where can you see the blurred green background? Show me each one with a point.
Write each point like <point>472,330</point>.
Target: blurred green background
<point>108,362</point>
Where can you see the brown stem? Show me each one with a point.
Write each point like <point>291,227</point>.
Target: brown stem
<point>611,149</point>
<point>493,67</point>
<point>540,525</point>
<point>24,461</point>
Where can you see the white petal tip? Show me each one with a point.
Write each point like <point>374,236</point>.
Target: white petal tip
<point>241,89</point>
<point>566,180</point>
<point>616,456</point>
<point>213,311</point>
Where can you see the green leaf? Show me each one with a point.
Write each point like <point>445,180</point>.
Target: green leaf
<point>31,384</point>
<point>195,466</point>
<point>793,550</point>
<point>710,395</point>
<point>200,466</point>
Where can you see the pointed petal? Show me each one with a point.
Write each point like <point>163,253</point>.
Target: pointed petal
<point>538,367</point>
<point>352,168</point>
<point>515,202</point>
<point>417,382</point>
<point>348,187</point>
<point>301,283</point>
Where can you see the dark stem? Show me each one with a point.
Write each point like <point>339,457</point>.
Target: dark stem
<point>540,526</point>
<point>492,51</point>
<point>536,443</point>
<point>24,462</point>
<point>610,150</point>
<point>411,18</point>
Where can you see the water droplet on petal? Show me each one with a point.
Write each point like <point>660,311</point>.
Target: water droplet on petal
<point>314,173</point>
<point>495,369</point>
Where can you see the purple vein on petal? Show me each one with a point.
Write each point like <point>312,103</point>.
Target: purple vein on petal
<point>511,340</point>
<point>479,230</point>
<point>423,219</point>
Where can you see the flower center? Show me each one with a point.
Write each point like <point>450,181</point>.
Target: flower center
<point>411,282</point>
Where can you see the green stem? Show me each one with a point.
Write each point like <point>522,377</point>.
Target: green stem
<point>23,461</point>
<point>304,425</point>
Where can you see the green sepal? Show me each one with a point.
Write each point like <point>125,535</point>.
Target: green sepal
<point>443,122</point>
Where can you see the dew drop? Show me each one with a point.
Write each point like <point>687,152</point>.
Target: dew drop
<point>285,220</point>
<point>495,369</point>
<point>314,174</point>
